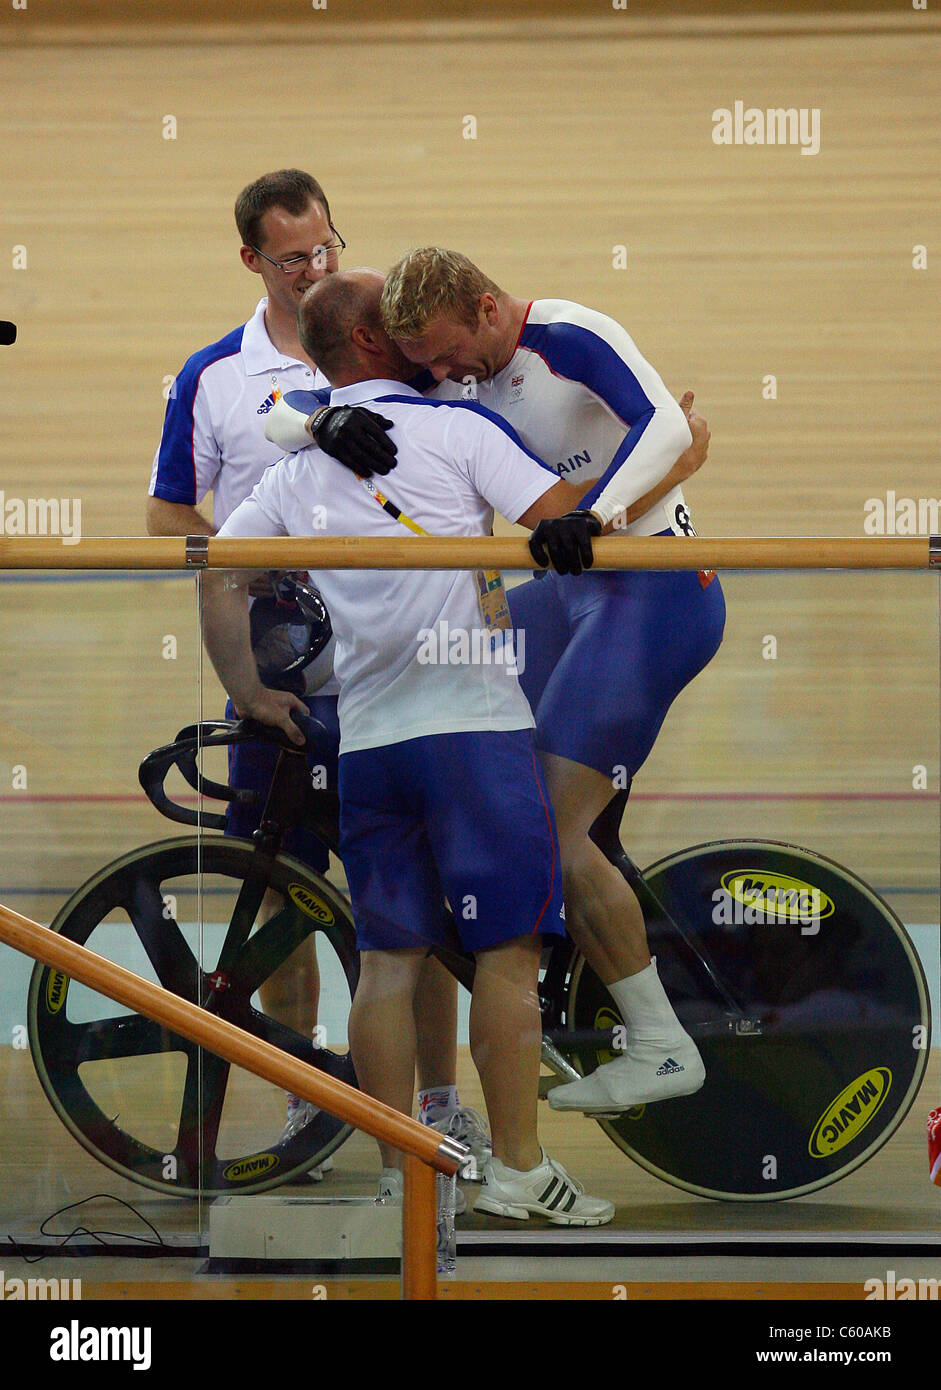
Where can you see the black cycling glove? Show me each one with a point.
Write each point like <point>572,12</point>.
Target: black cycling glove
<point>565,541</point>
<point>356,438</point>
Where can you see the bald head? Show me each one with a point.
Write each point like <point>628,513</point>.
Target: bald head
<point>340,329</point>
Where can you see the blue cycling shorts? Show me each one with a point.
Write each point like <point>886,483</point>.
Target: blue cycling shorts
<point>605,654</point>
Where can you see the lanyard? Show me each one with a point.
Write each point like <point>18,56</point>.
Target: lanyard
<point>491,595</point>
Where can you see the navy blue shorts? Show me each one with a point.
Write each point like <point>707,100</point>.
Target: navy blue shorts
<point>463,817</point>
<point>605,655</point>
<point>252,765</point>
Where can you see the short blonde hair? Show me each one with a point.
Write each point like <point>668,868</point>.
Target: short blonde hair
<point>427,283</point>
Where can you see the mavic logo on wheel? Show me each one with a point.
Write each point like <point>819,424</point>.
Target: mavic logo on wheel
<point>311,905</point>
<point>252,1167</point>
<point>56,989</point>
<point>749,897</point>
<point>850,1113</point>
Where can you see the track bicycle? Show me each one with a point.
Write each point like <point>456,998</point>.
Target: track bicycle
<point>799,984</point>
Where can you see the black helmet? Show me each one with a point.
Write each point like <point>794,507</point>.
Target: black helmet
<point>289,629</point>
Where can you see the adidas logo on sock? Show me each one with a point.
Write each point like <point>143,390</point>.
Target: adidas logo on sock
<point>669,1067</point>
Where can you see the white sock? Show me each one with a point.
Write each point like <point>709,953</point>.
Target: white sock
<point>643,1004</point>
<point>524,1172</point>
<point>437,1103</point>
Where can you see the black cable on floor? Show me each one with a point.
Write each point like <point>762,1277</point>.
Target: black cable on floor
<point>158,1244</point>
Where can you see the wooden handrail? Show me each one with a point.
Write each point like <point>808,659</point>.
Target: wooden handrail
<point>217,1035</point>
<point>468,552</point>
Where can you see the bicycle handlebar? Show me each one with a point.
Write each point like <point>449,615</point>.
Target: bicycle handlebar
<point>212,733</point>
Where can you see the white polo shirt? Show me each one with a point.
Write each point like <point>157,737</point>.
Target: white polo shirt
<point>412,656</point>
<point>214,429</point>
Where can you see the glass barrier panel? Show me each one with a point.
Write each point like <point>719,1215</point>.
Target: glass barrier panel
<point>97,670</point>
<point>781,839</point>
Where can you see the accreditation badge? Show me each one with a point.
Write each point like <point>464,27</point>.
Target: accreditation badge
<point>491,599</point>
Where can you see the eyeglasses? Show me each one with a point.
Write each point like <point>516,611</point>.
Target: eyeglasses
<point>318,257</point>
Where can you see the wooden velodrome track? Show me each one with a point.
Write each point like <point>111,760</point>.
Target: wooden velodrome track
<point>593,176</point>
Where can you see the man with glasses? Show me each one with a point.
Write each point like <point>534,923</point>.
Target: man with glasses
<point>214,441</point>
<point>213,434</point>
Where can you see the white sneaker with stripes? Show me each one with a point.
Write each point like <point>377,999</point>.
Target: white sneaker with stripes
<point>391,1186</point>
<point>467,1127</point>
<point>299,1115</point>
<point>546,1190</point>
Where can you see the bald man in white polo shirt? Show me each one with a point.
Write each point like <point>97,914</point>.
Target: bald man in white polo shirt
<point>441,793</point>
